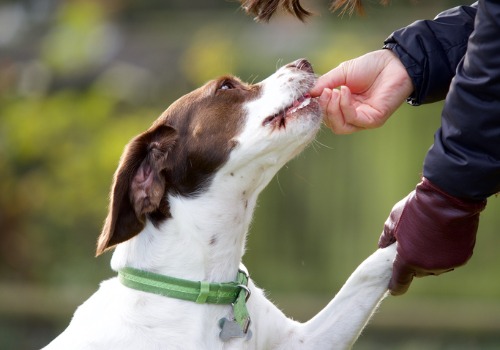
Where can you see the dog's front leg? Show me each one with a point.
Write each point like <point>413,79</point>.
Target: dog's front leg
<point>340,323</point>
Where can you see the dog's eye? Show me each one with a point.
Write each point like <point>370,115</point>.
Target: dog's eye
<point>226,85</point>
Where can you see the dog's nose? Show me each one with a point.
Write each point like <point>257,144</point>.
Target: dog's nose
<point>301,64</point>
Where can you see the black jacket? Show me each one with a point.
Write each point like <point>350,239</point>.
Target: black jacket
<point>457,56</point>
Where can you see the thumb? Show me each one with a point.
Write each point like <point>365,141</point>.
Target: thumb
<point>402,276</point>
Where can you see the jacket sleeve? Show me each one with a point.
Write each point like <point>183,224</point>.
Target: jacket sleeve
<point>431,50</point>
<point>465,157</point>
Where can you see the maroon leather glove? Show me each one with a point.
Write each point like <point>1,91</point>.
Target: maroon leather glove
<point>435,231</point>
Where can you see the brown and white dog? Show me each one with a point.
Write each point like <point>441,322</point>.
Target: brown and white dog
<point>181,204</point>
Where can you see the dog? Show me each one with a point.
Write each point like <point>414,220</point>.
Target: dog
<point>180,206</point>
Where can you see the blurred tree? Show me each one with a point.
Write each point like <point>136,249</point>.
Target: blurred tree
<point>58,155</point>
<point>210,54</point>
<point>78,40</point>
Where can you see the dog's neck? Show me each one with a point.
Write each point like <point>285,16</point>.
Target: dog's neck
<point>205,237</point>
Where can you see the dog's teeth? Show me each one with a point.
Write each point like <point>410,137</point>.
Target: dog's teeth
<point>305,102</point>
<point>299,103</point>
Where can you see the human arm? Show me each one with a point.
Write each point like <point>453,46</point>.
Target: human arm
<point>465,158</point>
<point>424,60</point>
<point>436,225</point>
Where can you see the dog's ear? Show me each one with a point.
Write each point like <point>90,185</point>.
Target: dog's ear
<point>138,187</point>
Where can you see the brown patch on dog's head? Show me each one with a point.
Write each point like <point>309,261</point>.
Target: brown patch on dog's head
<point>178,155</point>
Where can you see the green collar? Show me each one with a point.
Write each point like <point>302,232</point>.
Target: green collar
<point>235,293</point>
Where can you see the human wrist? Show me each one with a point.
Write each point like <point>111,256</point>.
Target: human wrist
<point>413,72</point>
<point>398,69</point>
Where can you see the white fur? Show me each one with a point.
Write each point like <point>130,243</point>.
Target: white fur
<point>117,317</point>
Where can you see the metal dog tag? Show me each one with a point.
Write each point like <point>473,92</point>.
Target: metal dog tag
<point>231,329</point>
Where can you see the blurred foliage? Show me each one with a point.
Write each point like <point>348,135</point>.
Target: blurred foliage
<point>81,22</point>
<point>58,154</point>
<point>78,79</point>
<point>212,44</point>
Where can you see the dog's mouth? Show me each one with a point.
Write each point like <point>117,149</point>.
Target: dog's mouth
<point>279,119</point>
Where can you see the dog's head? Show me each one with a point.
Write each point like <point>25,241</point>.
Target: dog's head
<point>225,126</point>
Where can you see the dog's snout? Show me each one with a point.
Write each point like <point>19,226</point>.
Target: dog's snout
<point>302,64</point>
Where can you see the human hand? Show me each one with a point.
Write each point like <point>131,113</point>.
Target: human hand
<point>435,231</point>
<point>373,86</point>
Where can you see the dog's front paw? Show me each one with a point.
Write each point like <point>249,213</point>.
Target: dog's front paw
<point>389,252</point>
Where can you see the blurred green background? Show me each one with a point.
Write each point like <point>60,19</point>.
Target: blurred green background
<point>78,79</point>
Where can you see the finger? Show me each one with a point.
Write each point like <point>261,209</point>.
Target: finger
<point>402,276</point>
<point>324,100</point>
<point>330,80</point>
<point>346,112</point>
<point>329,101</point>
<point>333,117</point>
<point>347,107</point>
<point>361,116</point>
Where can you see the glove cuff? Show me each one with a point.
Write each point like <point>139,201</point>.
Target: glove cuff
<point>468,205</point>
